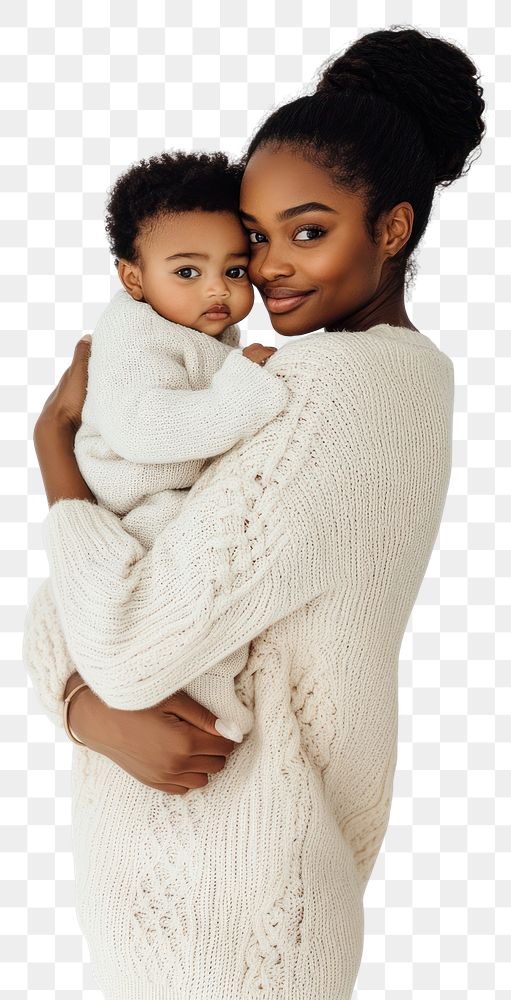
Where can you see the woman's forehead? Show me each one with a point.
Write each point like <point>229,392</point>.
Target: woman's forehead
<point>269,161</point>
<point>275,182</point>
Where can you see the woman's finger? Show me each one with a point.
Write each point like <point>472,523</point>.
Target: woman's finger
<point>207,739</point>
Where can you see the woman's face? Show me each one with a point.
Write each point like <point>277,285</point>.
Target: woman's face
<point>318,262</point>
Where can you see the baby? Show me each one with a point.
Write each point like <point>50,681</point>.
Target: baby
<point>168,386</point>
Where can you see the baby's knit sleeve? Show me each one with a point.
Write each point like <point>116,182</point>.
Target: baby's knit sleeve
<point>146,410</point>
<point>252,546</point>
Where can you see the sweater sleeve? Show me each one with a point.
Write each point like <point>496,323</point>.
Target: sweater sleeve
<point>45,653</point>
<point>144,414</point>
<point>247,549</point>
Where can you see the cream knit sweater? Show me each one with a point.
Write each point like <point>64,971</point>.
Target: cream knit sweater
<point>309,541</point>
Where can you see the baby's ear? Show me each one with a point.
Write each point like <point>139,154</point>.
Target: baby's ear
<point>129,275</point>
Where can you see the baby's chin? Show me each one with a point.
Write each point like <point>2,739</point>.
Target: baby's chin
<point>212,328</point>
<point>215,328</point>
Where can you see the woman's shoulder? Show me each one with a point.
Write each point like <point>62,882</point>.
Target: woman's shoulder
<point>350,396</point>
<point>315,345</point>
<point>326,361</point>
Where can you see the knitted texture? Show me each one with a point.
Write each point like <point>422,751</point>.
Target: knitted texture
<point>161,400</point>
<point>309,542</point>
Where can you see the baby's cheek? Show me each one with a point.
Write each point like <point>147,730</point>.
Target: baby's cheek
<point>243,300</point>
<point>249,295</point>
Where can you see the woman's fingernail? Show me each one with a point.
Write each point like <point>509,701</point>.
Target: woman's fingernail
<point>230,731</point>
<point>88,338</point>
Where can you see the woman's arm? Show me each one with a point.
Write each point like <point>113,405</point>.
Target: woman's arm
<point>56,427</point>
<point>245,551</point>
<point>142,624</point>
<point>45,653</point>
<point>54,443</point>
<point>172,746</point>
<point>162,742</point>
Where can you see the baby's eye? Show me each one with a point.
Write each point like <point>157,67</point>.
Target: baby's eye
<point>310,229</point>
<point>239,267</point>
<point>181,269</point>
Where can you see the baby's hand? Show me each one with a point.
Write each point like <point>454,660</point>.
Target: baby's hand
<point>258,353</point>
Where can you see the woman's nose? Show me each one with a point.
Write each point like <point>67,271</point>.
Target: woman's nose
<point>270,265</point>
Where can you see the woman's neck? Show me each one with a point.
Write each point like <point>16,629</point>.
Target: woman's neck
<point>387,306</point>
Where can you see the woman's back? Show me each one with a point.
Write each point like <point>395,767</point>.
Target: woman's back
<point>253,884</point>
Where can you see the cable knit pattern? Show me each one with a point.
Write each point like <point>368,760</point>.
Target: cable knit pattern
<point>307,543</point>
<point>163,915</point>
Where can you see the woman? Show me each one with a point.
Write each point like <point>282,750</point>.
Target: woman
<point>310,540</point>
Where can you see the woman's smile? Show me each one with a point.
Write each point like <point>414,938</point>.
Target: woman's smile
<point>285,301</point>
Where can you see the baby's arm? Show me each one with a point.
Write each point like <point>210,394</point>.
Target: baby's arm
<point>158,424</point>
<point>141,402</point>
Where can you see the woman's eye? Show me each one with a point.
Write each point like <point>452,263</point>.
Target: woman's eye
<point>181,269</point>
<point>310,229</point>
<point>316,231</point>
<point>239,267</point>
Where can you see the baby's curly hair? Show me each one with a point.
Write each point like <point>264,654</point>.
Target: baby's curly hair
<point>172,182</point>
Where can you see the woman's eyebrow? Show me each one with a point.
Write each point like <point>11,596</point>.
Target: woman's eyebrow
<point>289,213</point>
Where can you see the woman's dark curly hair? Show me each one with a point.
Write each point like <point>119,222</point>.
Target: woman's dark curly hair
<point>393,117</point>
<point>173,182</point>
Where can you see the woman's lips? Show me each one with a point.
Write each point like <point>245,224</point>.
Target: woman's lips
<point>285,303</point>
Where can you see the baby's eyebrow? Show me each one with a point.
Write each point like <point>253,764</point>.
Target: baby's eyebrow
<point>204,256</point>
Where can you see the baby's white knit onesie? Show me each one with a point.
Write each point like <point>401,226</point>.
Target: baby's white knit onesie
<point>162,399</point>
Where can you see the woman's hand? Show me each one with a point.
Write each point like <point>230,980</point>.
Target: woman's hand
<point>55,431</point>
<point>172,746</point>
<point>65,404</point>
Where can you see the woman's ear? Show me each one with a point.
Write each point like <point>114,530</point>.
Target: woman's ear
<point>398,228</point>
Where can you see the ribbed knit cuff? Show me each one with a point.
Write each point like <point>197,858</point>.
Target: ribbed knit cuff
<point>45,653</point>
<point>81,524</point>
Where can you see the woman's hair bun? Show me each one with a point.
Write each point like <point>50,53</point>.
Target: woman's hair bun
<point>431,79</point>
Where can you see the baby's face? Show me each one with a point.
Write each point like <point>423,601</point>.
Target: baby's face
<point>193,262</point>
